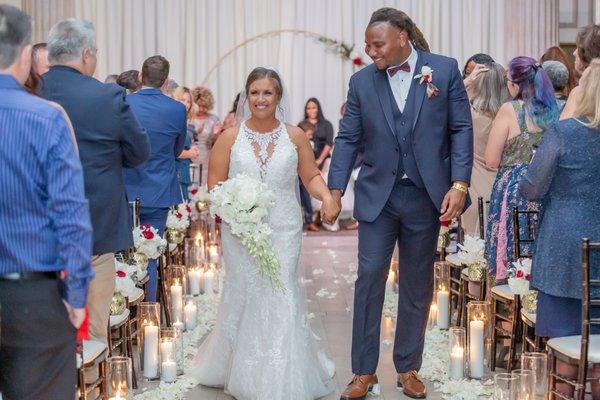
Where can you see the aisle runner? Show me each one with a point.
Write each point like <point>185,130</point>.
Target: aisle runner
<point>435,355</point>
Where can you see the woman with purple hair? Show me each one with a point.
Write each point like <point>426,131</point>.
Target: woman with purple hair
<point>516,132</point>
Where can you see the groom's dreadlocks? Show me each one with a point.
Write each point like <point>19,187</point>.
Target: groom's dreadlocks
<point>403,22</point>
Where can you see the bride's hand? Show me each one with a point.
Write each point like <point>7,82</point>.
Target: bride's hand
<point>329,210</point>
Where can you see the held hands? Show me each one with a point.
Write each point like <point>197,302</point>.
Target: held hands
<point>453,204</point>
<point>331,207</point>
<point>76,315</point>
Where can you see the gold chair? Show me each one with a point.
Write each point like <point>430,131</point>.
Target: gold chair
<point>580,350</point>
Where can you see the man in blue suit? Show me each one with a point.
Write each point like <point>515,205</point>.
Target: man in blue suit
<point>155,182</point>
<point>109,138</point>
<point>418,153</point>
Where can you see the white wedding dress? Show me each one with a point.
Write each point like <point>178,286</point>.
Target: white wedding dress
<point>262,347</point>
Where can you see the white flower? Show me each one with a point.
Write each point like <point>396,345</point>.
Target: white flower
<point>472,250</point>
<point>426,75</point>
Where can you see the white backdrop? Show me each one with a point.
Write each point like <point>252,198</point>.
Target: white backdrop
<point>193,34</point>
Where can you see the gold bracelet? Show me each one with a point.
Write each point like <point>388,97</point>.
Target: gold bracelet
<point>460,187</point>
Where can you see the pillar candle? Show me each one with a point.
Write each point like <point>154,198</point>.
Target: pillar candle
<point>150,351</point>
<point>457,361</point>
<point>166,350</point>
<point>443,308</point>
<point>194,280</point>
<point>209,282</point>
<point>476,348</point>
<point>169,371</point>
<point>177,302</point>
<point>191,314</point>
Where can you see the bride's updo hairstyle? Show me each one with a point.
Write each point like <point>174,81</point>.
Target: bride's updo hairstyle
<point>403,22</point>
<point>262,73</point>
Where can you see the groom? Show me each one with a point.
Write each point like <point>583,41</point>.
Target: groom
<point>418,154</point>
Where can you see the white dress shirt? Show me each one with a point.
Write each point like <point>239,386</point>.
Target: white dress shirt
<point>401,81</point>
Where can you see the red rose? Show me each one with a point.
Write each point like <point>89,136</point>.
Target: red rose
<point>146,227</point>
<point>193,191</point>
<point>148,234</point>
<point>188,208</point>
<point>121,274</point>
<point>179,215</point>
<point>427,79</point>
<point>357,61</point>
<point>528,278</point>
<point>519,274</point>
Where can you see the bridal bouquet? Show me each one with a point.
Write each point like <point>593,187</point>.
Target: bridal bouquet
<point>146,240</point>
<point>519,276</point>
<point>243,203</point>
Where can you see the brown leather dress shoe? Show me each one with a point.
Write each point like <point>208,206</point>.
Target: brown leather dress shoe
<point>412,385</point>
<point>312,227</point>
<point>360,386</point>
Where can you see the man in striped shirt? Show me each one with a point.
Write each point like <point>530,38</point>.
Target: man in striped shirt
<point>44,230</point>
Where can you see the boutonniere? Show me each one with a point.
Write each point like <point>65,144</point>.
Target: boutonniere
<point>425,77</point>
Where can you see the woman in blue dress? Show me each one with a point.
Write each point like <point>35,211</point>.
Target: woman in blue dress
<point>184,96</point>
<point>516,132</point>
<point>564,177</point>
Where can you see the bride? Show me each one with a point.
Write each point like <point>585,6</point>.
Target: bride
<point>262,346</point>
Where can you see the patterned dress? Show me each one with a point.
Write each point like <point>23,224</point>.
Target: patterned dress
<point>517,154</point>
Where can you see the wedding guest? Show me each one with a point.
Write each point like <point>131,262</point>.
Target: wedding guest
<point>230,120</point>
<point>112,78</point>
<point>39,66</point>
<point>479,58</point>
<point>155,181</point>
<point>559,76</point>
<point>323,136</point>
<point>207,127</point>
<point>130,80</point>
<point>109,138</point>
<point>516,132</point>
<point>45,227</point>
<point>555,53</point>
<point>305,199</point>
<point>184,95</point>
<point>564,176</point>
<point>587,47</point>
<point>488,93</point>
<point>170,87</point>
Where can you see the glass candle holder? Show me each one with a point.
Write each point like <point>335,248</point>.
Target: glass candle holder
<point>505,387</point>
<point>442,293</point>
<point>213,252</point>
<point>118,378</point>
<point>211,279</point>
<point>538,363</point>
<point>171,354</point>
<point>525,383</point>
<point>149,339</point>
<point>392,281</point>
<point>432,320</point>
<point>479,338</point>
<point>456,340</point>
<point>176,281</point>
<point>190,311</point>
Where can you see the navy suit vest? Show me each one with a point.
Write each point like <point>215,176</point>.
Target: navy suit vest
<point>403,130</point>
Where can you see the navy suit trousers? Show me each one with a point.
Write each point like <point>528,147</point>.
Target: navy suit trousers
<point>410,220</point>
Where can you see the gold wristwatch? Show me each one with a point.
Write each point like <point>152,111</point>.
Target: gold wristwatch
<point>461,186</point>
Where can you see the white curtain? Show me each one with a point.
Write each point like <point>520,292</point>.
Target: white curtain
<point>194,34</point>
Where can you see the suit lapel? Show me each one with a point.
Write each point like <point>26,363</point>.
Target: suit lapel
<point>382,89</point>
<point>418,90</point>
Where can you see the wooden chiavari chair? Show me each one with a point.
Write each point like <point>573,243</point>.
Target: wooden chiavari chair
<point>93,360</point>
<point>580,350</point>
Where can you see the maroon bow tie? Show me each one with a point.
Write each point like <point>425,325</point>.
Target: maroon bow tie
<point>403,67</point>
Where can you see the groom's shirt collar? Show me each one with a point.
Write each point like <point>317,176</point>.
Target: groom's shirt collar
<point>411,60</point>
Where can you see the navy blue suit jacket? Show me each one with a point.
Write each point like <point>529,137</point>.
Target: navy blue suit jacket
<point>155,181</point>
<point>109,138</point>
<point>442,135</point>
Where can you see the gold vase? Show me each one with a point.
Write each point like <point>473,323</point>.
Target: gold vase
<point>530,301</point>
<point>174,236</point>
<point>477,271</point>
<point>118,304</point>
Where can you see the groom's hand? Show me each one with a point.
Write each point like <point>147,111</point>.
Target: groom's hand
<point>331,208</point>
<point>453,204</point>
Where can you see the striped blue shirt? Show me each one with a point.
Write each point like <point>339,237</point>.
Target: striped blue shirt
<point>44,217</point>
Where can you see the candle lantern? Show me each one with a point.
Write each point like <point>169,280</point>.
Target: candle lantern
<point>210,279</point>
<point>176,280</point>
<point>213,253</point>
<point>479,338</point>
<point>525,383</point>
<point>456,341</point>
<point>172,347</point>
<point>118,378</point>
<point>432,321</point>
<point>538,363</point>
<point>505,387</point>
<point>442,293</point>
<point>149,339</point>
<point>213,231</point>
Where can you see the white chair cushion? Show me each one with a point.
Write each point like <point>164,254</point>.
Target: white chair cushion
<point>118,319</point>
<point>503,291</point>
<point>529,316</point>
<point>92,349</point>
<point>465,271</point>
<point>135,295</point>
<point>454,259</point>
<point>571,346</point>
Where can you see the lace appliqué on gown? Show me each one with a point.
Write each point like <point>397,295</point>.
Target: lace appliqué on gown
<point>261,346</point>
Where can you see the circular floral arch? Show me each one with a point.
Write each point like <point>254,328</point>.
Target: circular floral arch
<point>344,50</point>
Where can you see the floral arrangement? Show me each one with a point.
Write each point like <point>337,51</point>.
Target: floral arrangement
<point>146,240</point>
<point>243,203</point>
<point>199,196</point>
<point>519,276</point>
<point>471,253</point>
<point>179,218</point>
<point>345,51</point>
<point>126,276</point>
